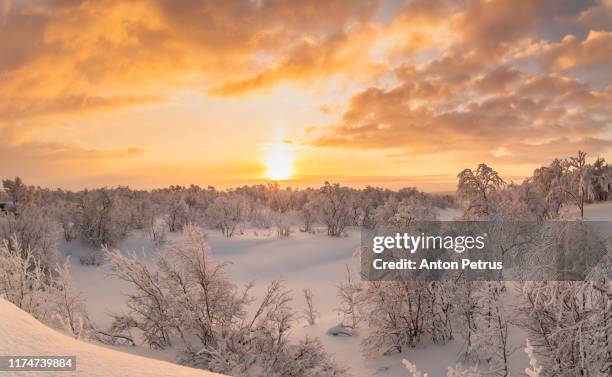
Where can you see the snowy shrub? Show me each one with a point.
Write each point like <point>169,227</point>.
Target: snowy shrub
<point>189,298</point>
<point>66,215</point>
<point>91,258</point>
<point>226,213</point>
<point>46,294</point>
<point>158,234</point>
<point>148,303</point>
<point>334,208</point>
<point>260,346</point>
<point>490,338</point>
<point>568,324</point>
<point>401,313</point>
<point>19,193</point>
<point>261,217</point>
<point>457,371</point>
<point>400,214</point>
<point>70,312</point>
<point>534,369</point>
<point>177,212</point>
<point>477,189</point>
<point>99,218</point>
<point>35,232</point>
<point>349,293</point>
<point>309,313</point>
<point>308,215</point>
<point>23,280</point>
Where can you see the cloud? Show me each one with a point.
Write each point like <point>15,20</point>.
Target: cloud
<point>504,89</point>
<point>595,51</point>
<point>311,58</point>
<point>493,26</point>
<point>495,79</point>
<point>60,50</point>
<point>475,113</point>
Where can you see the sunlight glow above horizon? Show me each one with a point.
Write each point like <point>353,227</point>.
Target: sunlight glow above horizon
<point>279,162</point>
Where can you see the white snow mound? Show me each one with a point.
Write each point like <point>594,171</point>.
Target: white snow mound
<point>22,335</point>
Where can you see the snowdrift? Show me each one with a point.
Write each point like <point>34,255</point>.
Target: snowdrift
<point>21,334</point>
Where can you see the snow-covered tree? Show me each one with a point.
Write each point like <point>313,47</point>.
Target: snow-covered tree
<point>401,314</point>
<point>99,218</point>
<point>177,211</point>
<point>333,204</point>
<point>226,213</point>
<point>66,215</point>
<point>69,309</point>
<point>23,279</point>
<point>18,192</point>
<point>568,324</point>
<point>201,299</point>
<point>490,340</point>
<point>576,181</point>
<point>477,188</point>
<point>259,346</point>
<point>349,293</point>
<point>309,312</point>
<point>308,214</point>
<point>35,232</point>
<point>147,302</point>
<point>548,182</point>
<point>401,213</point>
<point>47,294</point>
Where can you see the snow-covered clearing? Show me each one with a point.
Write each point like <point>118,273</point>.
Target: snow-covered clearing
<point>303,260</point>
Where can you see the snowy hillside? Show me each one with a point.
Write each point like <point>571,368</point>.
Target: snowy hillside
<point>21,334</point>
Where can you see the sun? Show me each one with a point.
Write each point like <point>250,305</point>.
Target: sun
<point>279,162</point>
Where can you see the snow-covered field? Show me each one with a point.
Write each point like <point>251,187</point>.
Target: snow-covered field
<point>302,260</point>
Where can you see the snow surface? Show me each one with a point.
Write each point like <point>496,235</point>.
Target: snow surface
<point>302,260</point>
<point>22,335</point>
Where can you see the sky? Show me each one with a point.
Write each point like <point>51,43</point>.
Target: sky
<point>149,93</point>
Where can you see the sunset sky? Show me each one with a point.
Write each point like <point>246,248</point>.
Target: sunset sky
<point>390,93</point>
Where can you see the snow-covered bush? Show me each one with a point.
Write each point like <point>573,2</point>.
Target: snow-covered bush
<point>309,313</point>
<point>401,314</point>
<point>477,189</point>
<point>490,339</point>
<point>226,213</point>
<point>349,293</point>
<point>69,309</point>
<point>568,324</point>
<point>401,213</point>
<point>534,370</point>
<point>65,213</point>
<point>19,193</point>
<point>158,233</point>
<point>32,231</point>
<point>457,371</point>
<point>47,294</point>
<point>259,346</point>
<point>308,214</point>
<point>91,257</point>
<point>177,212</point>
<point>99,218</point>
<point>333,202</point>
<point>189,299</point>
<point>148,302</point>
<point>23,279</point>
